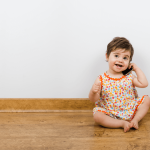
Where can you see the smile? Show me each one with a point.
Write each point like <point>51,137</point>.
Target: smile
<point>118,66</point>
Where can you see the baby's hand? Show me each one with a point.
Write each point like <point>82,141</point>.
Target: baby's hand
<point>96,88</point>
<point>133,65</point>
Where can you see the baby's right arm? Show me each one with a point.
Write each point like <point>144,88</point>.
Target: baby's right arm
<point>94,94</point>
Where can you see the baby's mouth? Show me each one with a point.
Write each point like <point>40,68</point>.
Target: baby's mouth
<point>118,65</point>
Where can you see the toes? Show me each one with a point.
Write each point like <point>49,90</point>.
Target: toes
<point>135,126</point>
<point>127,128</point>
<point>131,124</point>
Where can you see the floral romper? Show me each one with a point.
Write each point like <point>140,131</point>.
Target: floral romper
<point>118,97</point>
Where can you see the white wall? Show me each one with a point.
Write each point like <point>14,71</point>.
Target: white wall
<point>56,48</point>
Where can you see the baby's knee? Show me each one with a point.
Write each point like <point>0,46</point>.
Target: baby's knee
<point>147,100</point>
<point>98,116</point>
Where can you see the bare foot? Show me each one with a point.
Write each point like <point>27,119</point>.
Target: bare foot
<point>126,126</point>
<point>134,124</point>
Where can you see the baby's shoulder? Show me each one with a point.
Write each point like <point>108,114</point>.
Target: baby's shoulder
<point>129,75</point>
<point>102,75</point>
<point>100,78</point>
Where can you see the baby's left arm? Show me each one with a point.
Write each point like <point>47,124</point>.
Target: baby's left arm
<point>139,81</point>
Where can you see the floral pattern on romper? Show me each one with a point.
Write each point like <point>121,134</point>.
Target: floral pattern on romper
<point>118,97</point>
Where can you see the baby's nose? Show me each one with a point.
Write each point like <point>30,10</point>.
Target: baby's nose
<point>120,59</point>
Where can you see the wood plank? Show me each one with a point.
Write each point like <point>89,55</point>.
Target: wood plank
<point>72,131</point>
<point>45,104</point>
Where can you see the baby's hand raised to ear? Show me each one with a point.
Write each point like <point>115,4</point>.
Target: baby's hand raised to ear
<point>133,65</point>
<point>96,88</point>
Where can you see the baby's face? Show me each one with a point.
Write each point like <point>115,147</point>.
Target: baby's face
<point>118,60</point>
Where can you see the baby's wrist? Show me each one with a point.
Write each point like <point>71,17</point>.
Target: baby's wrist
<point>136,69</point>
<point>93,92</point>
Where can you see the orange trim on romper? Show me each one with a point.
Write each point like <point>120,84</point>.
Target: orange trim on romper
<point>114,78</point>
<point>104,112</point>
<point>138,106</point>
<point>100,78</point>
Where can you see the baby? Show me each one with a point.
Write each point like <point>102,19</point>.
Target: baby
<point>117,102</point>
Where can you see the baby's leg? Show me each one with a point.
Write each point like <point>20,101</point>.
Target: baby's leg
<point>110,122</point>
<point>141,112</point>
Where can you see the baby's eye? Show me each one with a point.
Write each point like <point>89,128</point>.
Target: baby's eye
<point>116,55</point>
<point>125,58</point>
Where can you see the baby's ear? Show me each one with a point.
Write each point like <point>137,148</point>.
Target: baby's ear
<point>106,57</point>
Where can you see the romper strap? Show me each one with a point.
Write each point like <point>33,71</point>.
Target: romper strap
<point>100,79</point>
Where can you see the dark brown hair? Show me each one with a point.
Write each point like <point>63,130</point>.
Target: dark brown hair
<point>122,43</point>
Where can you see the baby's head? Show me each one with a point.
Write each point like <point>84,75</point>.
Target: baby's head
<point>120,43</point>
<point>119,54</point>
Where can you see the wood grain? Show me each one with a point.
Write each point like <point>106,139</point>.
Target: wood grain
<point>67,131</point>
<point>45,104</point>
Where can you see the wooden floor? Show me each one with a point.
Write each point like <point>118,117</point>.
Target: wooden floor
<point>67,131</point>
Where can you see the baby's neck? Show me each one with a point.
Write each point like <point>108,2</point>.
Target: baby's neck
<point>114,75</point>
